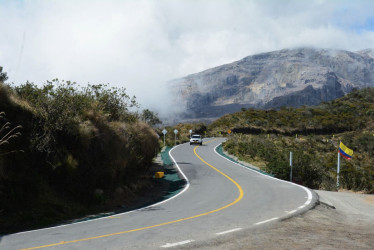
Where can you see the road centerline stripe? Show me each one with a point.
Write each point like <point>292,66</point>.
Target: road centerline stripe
<point>241,193</point>
<point>240,196</point>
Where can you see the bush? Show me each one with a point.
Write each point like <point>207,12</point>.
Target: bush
<point>75,142</point>
<point>314,159</point>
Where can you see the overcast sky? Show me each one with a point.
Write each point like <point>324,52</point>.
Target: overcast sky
<point>141,45</point>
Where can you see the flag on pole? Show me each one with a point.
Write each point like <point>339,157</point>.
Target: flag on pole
<point>345,151</point>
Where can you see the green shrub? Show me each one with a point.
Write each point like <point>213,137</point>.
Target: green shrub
<point>75,141</point>
<point>314,159</point>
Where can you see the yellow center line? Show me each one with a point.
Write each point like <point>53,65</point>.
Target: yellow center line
<point>161,224</point>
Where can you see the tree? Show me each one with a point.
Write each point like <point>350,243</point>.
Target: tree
<point>3,75</point>
<point>149,117</point>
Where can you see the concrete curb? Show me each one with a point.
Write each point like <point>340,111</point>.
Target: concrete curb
<point>314,202</point>
<point>322,200</point>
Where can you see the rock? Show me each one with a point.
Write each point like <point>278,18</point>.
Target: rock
<point>291,77</point>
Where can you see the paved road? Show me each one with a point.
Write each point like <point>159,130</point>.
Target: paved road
<point>221,198</point>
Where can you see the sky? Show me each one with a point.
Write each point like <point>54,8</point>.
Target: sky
<point>142,44</point>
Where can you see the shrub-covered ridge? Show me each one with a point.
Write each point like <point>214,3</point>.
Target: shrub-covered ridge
<point>80,151</point>
<point>266,137</point>
<point>350,113</point>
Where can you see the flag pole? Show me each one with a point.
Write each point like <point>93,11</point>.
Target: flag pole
<point>338,171</point>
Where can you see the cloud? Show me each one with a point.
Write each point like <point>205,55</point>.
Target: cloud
<point>142,44</point>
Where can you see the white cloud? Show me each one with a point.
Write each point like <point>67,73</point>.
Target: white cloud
<point>142,44</point>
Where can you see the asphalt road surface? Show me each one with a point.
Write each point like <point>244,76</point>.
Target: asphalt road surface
<point>220,198</point>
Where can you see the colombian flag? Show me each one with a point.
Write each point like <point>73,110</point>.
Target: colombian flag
<point>345,152</point>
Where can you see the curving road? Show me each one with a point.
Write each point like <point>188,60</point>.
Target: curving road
<point>220,198</point>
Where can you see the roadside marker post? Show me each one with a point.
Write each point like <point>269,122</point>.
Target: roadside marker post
<point>164,132</point>
<point>291,166</point>
<point>175,136</point>
<point>156,150</point>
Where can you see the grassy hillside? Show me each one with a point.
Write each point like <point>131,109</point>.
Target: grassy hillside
<point>68,151</point>
<point>265,138</point>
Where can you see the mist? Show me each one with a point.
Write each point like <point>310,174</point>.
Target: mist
<point>141,45</point>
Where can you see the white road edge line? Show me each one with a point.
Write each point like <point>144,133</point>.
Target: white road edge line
<point>177,243</point>
<point>293,211</point>
<point>310,196</point>
<point>266,221</point>
<point>184,176</point>
<point>120,214</point>
<point>230,231</point>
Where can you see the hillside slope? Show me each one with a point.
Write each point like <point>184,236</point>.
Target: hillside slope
<point>290,77</point>
<point>77,152</point>
<point>265,138</point>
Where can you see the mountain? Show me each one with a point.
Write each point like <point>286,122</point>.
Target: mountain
<point>289,77</point>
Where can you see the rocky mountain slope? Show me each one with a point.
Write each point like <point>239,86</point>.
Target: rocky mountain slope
<point>290,77</point>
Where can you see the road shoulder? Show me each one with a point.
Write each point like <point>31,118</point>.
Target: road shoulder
<point>350,225</point>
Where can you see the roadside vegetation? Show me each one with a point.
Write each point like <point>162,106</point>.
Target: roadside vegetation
<point>266,137</point>
<point>183,134</point>
<point>68,151</point>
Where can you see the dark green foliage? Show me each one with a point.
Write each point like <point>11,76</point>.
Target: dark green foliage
<point>150,117</point>
<point>78,146</point>
<point>3,75</point>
